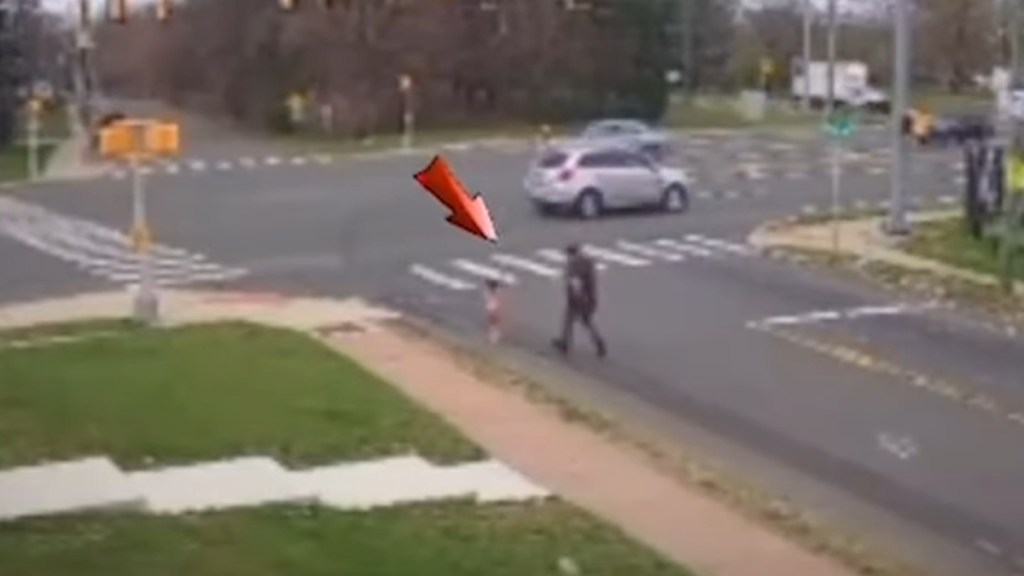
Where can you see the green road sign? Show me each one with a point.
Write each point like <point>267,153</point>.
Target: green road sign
<point>841,125</point>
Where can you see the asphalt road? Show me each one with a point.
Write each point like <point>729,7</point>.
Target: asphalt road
<point>843,390</point>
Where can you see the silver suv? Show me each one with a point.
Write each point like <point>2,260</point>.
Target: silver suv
<point>588,180</point>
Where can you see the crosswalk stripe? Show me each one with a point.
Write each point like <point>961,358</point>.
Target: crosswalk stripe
<point>323,159</point>
<point>484,271</point>
<point>104,252</point>
<point>649,252</point>
<point>684,248</point>
<point>197,165</point>
<point>224,165</point>
<point>172,169</point>
<point>614,257</point>
<point>720,244</point>
<point>526,264</point>
<point>559,257</point>
<point>435,277</point>
<point>298,161</point>
<point>271,160</point>
<point>247,162</point>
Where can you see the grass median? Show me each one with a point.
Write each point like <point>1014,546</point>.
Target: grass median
<point>14,160</point>
<point>148,397</point>
<point>948,241</point>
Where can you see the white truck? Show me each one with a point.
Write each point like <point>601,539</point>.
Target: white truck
<point>851,87</point>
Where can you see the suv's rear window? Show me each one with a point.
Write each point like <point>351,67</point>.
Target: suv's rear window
<point>552,160</point>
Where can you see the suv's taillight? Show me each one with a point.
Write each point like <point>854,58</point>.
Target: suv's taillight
<point>565,175</point>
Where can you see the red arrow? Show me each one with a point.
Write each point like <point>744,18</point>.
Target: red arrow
<point>468,212</point>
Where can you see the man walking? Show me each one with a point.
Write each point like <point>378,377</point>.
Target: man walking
<point>580,300</point>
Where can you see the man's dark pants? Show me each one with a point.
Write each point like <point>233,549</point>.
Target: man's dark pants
<point>582,312</point>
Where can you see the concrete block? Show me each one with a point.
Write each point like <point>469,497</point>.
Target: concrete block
<point>250,481</point>
<point>386,482</point>
<point>64,487</point>
<point>492,481</point>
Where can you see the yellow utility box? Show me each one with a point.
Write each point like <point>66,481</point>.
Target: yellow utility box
<point>163,139</point>
<point>119,140</point>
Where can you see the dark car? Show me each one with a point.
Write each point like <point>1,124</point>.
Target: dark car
<point>958,129</point>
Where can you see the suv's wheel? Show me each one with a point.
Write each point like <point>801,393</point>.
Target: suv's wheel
<point>675,199</point>
<point>589,205</point>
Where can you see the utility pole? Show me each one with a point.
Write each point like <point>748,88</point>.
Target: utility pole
<point>897,223</point>
<point>830,105</point>
<point>808,30</point>
<point>83,62</point>
<point>687,46</point>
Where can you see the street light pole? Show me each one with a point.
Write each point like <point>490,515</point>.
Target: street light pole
<point>808,29</point>
<point>897,221</point>
<point>830,106</point>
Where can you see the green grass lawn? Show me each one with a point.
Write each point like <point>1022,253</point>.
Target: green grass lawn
<point>948,241</point>
<point>205,392</point>
<point>449,539</point>
<point>14,161</point>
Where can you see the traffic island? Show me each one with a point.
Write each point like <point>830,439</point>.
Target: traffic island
<point>939,260</point>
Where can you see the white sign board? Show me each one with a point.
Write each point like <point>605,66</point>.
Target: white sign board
<point>1017,104</point>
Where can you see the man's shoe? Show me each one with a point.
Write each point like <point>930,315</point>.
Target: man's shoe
<point>559,345</point>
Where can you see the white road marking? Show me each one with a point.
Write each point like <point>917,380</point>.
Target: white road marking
<point>705,194</point>
<point>817,316</point>
<point>796,175</point>
<point>903,447</point>
<point>648,252</point>
<point>197,165</point>
<point>559,257</point>
<point>224,165</point>
<point>860,205</point>
<point>947,199</point>
<point>172,169</point>
<point>684,248</point>
<point>484,271</point>
<point>247,162</point>
<point>731,195</point>
<point>323,159</point>
<point>526,264</point>
<point>102,251</point>
<point>883,204</point>
<point>299,161</point>
<point>118,174</point>
<point>988,547</point>
<point>145,170</point>
<point>271,160</point>
<point>809,209</point>
<point>435,277</point>
<point>877,170</point>
<point>611,256</point>
<point>720,244</point>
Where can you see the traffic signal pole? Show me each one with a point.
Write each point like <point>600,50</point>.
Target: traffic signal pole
<point>897,224</point>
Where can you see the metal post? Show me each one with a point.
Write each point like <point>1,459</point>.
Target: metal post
<point>897,221</point>
<point>146,307</point>
<point>836,189</point>
<point>830,105</point>
<point>808,30</point>
<point>408,119</point>
<point>33,141</point>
